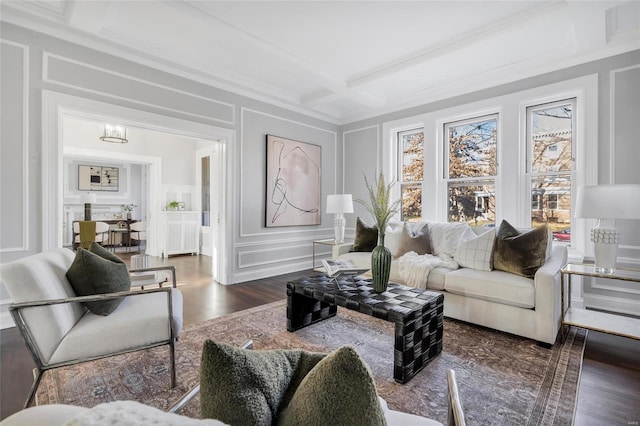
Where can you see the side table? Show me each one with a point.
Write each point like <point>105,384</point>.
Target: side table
<point>319,268</point>
<point>595,320</point>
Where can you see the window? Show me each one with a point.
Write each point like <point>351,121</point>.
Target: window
<point>205,194</point>
<point>411,173</point>
<point>471,169</point>
<point>550,162</point>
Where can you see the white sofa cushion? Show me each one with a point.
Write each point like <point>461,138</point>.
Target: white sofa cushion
<point>495,286</point>
<point>96,335</point>
<point>474,251</point>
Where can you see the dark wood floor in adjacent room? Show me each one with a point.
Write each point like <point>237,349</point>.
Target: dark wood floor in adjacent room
<point>609,385</point>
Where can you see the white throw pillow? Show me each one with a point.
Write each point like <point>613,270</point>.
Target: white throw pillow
<point>445,237</point>
<point>475,252</point>
<point>392,238</point>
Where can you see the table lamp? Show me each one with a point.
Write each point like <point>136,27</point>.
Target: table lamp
<point>88,199</point>
<point>606,203</point>
<point>339,204</point>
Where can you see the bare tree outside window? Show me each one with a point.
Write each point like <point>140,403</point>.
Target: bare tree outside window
<point>411,173</point>
<point>471,170</point>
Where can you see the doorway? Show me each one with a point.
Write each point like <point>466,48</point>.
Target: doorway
<point>56,106</point>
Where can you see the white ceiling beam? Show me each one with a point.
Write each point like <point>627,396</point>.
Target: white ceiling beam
<point>463,40</point>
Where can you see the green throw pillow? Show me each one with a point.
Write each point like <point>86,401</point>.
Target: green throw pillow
<point>98,271</point>
<point>247,387</point>
<point>366,237</point>
<point>521,254</point>
<point>338,391</point>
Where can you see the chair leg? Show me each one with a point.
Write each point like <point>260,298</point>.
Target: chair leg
<point>34,388</point>
<point>172,359</point>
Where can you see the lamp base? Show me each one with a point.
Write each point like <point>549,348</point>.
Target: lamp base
<point>339,223</point>
<point>605,243</point>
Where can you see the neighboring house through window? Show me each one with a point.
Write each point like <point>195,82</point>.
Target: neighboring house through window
<point>551,162</point>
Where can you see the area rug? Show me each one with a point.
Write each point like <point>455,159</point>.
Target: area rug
<point>503,379</point>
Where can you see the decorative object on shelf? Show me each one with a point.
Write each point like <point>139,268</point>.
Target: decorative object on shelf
<point>294,178</point>
<point>173,205</point>
<point>382,209</point>
<point>88,199</point>
<point>606,203</point>
<point>97,178</point>
<point>127,209</point>
<point>339,204</point>
<point>181,206</point>
<point>114,133</point>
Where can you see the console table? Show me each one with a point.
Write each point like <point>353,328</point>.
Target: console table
<point>417,314</point>
<point>595,320</point>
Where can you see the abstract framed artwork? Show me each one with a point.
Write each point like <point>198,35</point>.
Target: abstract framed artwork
<point>98,178</point>
<point>294,180</point>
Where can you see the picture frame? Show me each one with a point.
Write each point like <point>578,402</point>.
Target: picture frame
<point>293,182</point>
<point>180,206</point>
<point>98,178</point>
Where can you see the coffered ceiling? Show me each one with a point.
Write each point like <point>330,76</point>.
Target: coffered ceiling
<point>344,61</point>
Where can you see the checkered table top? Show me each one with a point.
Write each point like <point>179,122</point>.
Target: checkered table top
<point>398,303</point>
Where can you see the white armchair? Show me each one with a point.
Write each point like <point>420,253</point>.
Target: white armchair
<point>60,331</point>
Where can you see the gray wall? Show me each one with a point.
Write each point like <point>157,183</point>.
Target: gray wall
<point>33,62</point>
<point>618,152</point>
<point>348,151</point>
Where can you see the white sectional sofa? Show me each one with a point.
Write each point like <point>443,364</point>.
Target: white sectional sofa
<point>528,307</point>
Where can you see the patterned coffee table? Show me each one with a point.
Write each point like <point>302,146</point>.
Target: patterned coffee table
<point>417,314</point>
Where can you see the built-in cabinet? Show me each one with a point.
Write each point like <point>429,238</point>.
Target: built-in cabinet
<point>180,232</point>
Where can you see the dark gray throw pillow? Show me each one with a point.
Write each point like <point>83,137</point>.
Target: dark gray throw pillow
<point>98,271</point>
<point>366,238</point>
<point>249,387</point>
<point>520,253</point>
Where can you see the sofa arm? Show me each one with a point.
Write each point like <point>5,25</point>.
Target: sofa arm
<point>340,249</point>
<point>548,282</point>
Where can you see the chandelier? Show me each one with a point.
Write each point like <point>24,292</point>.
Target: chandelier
<point>114,134</point>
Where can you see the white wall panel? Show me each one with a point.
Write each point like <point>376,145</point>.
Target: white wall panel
<point>76,74</point>
<point>14,149</point>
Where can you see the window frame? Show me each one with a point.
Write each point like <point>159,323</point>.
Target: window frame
<point>491,180</point>
<point>399,174</point>
<point>530,175</point>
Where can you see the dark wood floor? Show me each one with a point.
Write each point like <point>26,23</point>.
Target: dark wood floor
<point>609,392</point>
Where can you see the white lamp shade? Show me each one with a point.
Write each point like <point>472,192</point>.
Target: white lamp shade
<point>89,198</point>
<point>339,203</point>
<point>608,202</point>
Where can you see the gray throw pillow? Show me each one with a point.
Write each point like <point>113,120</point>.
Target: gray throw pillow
<point>419,242</point>
<point>338,391</point>
<point>249,387</point>
<point>366,238</point>
<point>519,253</point>
<point>98,271</point>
